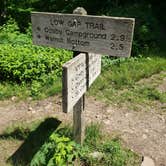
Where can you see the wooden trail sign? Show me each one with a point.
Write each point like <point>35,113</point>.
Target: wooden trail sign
<point>98,34</point>
<point>78,74</point>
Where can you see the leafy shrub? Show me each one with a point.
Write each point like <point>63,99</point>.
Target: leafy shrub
<point>9,33</point>
<point>21,15</point>
<point>59,150</point>
<point>20,61</point>
<point>36,68</point>
<point>25,63</point>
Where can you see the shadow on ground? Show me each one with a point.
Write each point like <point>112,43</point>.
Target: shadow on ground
<point>34,141</point>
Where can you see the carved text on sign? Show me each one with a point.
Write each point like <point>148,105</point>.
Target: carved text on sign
<point>78,74</point>
<point>74,81</point>
<point>102,35</point>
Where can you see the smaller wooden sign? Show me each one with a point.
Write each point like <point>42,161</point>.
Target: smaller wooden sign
<point>78,74</point>
<point>73,81</point>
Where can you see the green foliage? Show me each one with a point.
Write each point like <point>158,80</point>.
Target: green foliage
<point>16,132</point>
<point>36,69</point>
<point>125,72</point>
<point>59,150</point>
<point>151,94</point>
<point>115,155</point>
<point>10,34</point>
<point>93,134</point>
<point>143,94</point>
<point>111,150</point>
<point>9,90</point>
<point>10,27</point>
<point>53,146</point>
<point>22,16</point>
<point>20,130</point>
<point>38,66</point>
<point>128,82</point>
<point>20,61</point>
<point>20,11</point>
<point>26,62</point>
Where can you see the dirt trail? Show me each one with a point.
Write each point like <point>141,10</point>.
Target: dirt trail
<point>143,131</point>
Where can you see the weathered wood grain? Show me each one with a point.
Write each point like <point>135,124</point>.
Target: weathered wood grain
<point>74,81</point>
<point>97,34</point>
<point>78,121</point>
<point>78,74</point>
<point>94,67</point>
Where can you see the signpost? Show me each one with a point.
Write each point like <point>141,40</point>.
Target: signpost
<point>89,36</point>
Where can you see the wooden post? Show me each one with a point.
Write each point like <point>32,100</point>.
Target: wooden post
<point>78,116</point>
<point>78,121</point>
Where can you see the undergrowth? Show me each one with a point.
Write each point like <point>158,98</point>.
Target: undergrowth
<point>124,72</point>
<point>26,69</point>
<point>58,147</point>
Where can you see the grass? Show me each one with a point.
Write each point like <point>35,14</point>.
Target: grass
<point>36,135</point>
<point>120,82</point>
<point>23,91</point>
<point>111,150</point>
<point>125,72</point>
<point>7,147</point>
